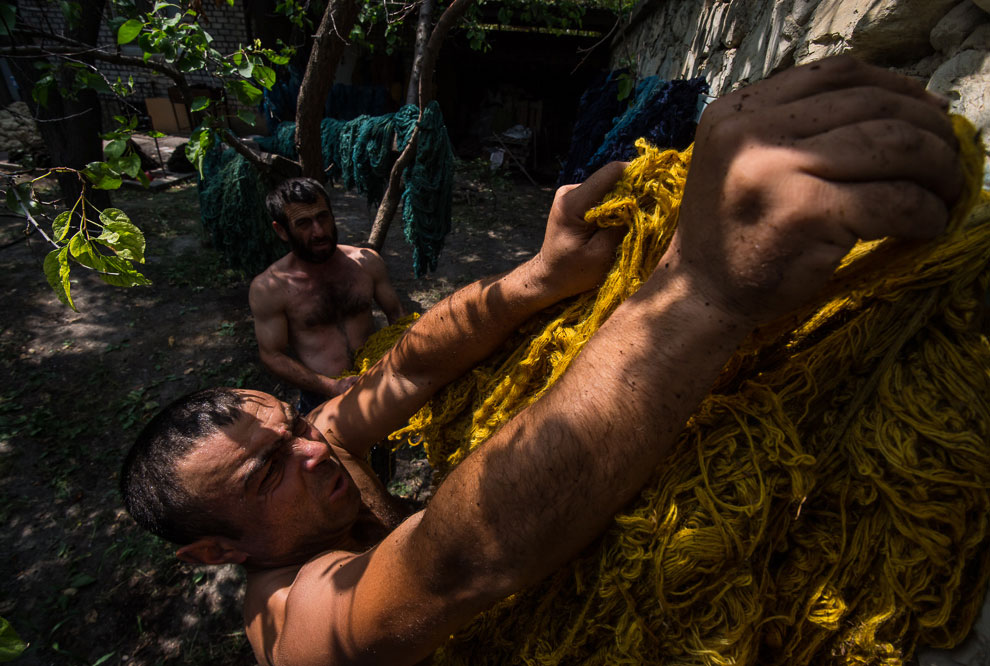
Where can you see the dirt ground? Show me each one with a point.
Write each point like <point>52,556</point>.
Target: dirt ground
<point>79,581</point>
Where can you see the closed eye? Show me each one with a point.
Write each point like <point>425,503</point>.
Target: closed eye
<point>271,473</point>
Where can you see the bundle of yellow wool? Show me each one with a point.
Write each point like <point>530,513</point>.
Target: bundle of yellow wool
<point>828,503</point>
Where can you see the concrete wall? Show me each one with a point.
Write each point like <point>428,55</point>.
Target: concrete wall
<point>944,43</point>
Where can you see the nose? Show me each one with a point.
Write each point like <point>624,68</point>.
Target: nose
<point>311,453</point>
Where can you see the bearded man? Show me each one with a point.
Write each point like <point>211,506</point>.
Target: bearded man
<point>312,307</point>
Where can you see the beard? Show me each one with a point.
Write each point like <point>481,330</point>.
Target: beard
<point>314,255</point>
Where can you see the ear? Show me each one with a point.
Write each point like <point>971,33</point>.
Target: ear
<point>280,231</point>
<point>211,550</point>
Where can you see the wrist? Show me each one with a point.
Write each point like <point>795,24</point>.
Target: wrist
<point>675,285</point>
<point>536,281</point>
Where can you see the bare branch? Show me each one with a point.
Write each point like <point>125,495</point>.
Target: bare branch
<point>390,200</point>
<point>328,46</point>
<point>70,48</point>
<point>30,218</point>
<point>271,164</point>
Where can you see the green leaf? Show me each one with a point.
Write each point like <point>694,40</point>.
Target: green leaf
<point>84,252</point>
<point>60,225</point>
<point>57,272</point>
<point>8,21</point>
<point>42,89</point>
<point>11,645</point>
<point>81,580</point>
<point>93,81</point>
<point>103,659</point>
<point>264,76</point>
<point>199,144</point>
<point>275,58</point>
<point>142,178</point>
<point>155,134</point>
<point>20,200</point>
<point>199,104</point>
<point>120,273</point>
<point>246,93</point>
<point>129,31</point>
<point>72,12</point>
<point>245,68</point>
<point>248,116</point>
<point>121,236</point>
<point>115,148</point>
<point>102,176</point>
<point>130,164</point>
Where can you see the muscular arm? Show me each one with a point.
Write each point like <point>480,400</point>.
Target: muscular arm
<point>463,329</point>
<point>271,327</point>
<point>772,204</point>
<point>385,294</point>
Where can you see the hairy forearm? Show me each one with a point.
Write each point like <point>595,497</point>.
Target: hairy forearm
<point>447,341</point>
<point>550,481</point>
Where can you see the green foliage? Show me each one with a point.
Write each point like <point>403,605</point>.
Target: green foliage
<point>170,37</point>
<point>11,645</point>
<point>103,241</point>
<point>554,16</point>
<point>8,19</point>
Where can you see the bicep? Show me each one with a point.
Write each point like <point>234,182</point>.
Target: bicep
<point>385,294</point>
<point>270,324</point>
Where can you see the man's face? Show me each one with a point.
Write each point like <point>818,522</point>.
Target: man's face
<point>311,231</point>
<point>272,474</point>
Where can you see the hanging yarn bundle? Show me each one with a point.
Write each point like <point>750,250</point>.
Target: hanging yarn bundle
<point>829,501</point>
<point>662,112</point>
<point>360,153</point>
<point>232,207</point>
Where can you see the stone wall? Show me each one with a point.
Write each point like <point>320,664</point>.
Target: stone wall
<point>944,43</point>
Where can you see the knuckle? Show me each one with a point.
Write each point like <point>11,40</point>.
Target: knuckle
<point>842,67</point>
<point>899,135</point>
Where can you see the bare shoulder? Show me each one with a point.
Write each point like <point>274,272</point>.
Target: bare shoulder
<point>266,288</point>
<point>345,607</point>
<point>294,615</point>
<point>273,594</point>
<point>364,256</point>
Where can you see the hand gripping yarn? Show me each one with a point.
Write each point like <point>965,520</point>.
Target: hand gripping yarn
<point>828,502</point>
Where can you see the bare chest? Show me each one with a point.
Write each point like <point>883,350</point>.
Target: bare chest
<point>329,299</point>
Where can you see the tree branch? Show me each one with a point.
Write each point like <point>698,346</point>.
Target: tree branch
<point>274,165</point>
<point>390,200</point>
<point>328,46</point>
<point>70,47</point>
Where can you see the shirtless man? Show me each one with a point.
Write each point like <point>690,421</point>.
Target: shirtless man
<point>316,300</point>
<point>786,176</point>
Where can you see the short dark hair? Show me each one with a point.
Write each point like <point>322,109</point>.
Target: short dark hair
<point>152,492</point>
<point>293,190</point>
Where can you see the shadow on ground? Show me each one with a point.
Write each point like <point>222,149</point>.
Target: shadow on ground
<point>79,581</point>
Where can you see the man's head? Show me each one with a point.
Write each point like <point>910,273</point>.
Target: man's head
<point>237,476</point>
<point>301,216</point>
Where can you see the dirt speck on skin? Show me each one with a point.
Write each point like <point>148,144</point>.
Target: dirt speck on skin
<point>79,581</point>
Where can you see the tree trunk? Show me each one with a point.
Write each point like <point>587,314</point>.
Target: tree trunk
<point>70,128</point>
<point>422,34</point>
<point>328,46</point>
<point>390,200</point>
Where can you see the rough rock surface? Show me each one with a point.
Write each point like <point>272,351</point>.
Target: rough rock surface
<point>943,43</point>
<point>18,131</point>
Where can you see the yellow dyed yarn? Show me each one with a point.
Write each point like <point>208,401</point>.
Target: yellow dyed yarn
<point>378,344</point>
<point>828,503</point>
